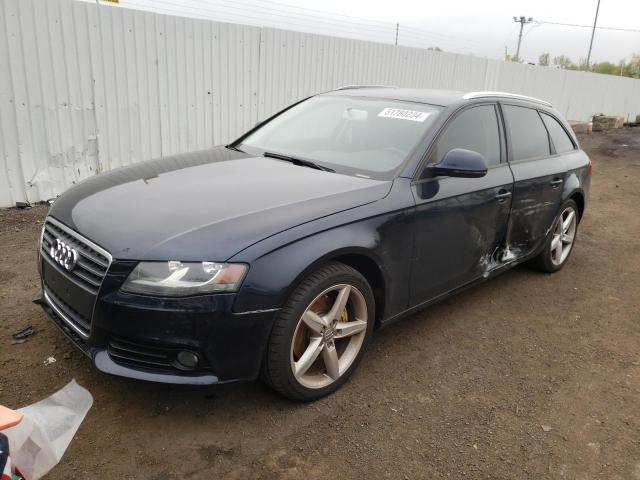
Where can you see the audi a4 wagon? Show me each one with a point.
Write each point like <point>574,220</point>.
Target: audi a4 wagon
<point>278,255</point>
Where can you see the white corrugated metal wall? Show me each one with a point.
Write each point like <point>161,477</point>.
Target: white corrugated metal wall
<point>86,88</point>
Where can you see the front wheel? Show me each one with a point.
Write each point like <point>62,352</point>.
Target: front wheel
<point>559,245</point>
<point>320,334</point>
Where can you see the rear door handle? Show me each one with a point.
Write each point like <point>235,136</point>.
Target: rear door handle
<point>502,195</point>
<point>555,182</point>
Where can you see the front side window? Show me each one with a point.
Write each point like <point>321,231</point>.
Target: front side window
<point>529,137</point>
<point>561,140</point>
<point>367,137</point>
<point>476,129</point>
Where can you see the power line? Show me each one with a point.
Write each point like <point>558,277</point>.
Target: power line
<point>282,15</point>
<point>508,37</point>
<point>531,29</point>
<point>293,16</point>
<point>279,14</point>
<point>617,29</point>
<point>301,20</point>
<point>352,19</point>
<point>428,32</point>
<point>290,19</point>
<point>221,7</point>
<point>443,37</point>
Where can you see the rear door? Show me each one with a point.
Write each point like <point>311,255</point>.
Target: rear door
<point>539,174</point>
<point>460,222</point>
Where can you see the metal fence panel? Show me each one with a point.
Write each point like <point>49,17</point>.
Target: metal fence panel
<point>85,88</point>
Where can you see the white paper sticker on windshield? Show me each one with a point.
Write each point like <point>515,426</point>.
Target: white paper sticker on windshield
<point>404,114</point>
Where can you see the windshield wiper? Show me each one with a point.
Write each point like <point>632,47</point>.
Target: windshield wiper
<point>298,161</point>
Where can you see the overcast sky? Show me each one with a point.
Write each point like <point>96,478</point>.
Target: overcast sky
<point>482,28</point>
<point>490,24</point>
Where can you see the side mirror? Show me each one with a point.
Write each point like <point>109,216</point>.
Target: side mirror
<point>460,163</point>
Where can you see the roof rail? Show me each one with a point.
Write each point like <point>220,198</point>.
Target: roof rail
<point>506,95</point>
<point>350,87</point>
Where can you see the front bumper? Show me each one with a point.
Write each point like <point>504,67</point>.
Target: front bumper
<point>139,337</point>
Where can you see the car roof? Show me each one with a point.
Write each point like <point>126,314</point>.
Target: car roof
<point>442,98</point>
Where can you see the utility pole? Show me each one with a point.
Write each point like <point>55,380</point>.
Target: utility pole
<point>397,28</point>
<point>593,33</point>
<point>522,21</point>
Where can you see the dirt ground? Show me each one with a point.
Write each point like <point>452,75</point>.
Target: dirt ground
<point>527,376</point>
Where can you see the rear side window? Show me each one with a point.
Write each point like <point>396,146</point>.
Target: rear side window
<point>529,138</point>
<point>474,129</point>
<point>561,140</point>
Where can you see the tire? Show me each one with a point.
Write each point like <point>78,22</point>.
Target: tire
<point>312,327</point>
<point>550,259</point>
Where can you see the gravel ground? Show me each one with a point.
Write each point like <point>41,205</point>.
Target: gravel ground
<point>527,376</point>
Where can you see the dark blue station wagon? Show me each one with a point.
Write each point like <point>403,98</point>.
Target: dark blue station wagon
<point>278,255</point>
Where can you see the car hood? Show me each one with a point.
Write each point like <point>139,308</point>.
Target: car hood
<point>205,205</point>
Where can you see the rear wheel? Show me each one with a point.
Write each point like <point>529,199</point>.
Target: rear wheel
<point>559,245</point>
<point>320,334</point>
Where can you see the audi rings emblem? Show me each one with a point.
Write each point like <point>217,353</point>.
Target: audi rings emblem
<point>64,255</point>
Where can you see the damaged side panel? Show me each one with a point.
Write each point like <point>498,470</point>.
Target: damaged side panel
<point>536,199</point>
<point>460,225</point>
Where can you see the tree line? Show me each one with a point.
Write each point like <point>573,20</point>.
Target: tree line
<point>623,68</point>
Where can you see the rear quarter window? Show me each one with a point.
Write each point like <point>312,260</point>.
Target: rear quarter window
<point>529,138</point>
<point>561,140</point>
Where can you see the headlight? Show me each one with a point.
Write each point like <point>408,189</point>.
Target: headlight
<point>180,279</point>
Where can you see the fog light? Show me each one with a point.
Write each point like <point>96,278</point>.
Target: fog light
<point>188,360</point>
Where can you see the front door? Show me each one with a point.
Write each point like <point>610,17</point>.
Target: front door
<point>461,222</point>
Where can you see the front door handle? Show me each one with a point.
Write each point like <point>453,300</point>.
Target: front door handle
<point>556,182</point>
<point>502,195</point>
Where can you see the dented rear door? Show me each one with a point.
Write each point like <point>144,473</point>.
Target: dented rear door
<point>539,176</point>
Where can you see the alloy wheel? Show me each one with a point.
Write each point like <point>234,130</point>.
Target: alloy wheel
<point>564,235</point>
<point>329,336</point>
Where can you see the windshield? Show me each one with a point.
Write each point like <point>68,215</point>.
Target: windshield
<point>367,137</point>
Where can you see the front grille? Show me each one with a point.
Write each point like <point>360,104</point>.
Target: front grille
<point>72,293</point>
<point>79,322</point>
<point>64,325</point>
<point>93,261</point>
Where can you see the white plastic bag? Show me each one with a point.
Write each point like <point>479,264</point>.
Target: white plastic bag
<point>39,441</point>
